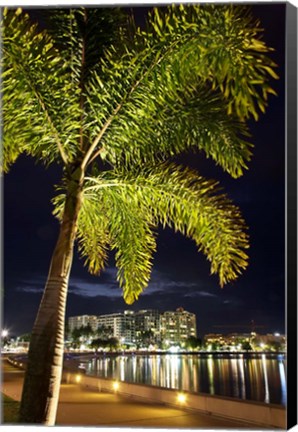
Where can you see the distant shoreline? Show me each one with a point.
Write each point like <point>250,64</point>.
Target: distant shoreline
<point>194,353</point>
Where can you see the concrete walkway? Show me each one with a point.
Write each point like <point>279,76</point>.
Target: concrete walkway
<point>82,407</point>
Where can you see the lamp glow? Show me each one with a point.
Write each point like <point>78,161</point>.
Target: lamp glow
<point>116,386</point>
<point>181,398</point>
<point>4,333</point>
<point>78,378</point>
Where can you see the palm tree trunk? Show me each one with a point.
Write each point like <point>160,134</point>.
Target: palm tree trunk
<point>45,358</point>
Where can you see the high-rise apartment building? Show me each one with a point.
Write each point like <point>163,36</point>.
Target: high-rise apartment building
<point>178,326</point>
<point>147,326</point>
<point>129,327</point>
<point>114,322</point>
<point>77,322</point>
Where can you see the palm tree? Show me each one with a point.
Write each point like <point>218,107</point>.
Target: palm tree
<point>114,104</point>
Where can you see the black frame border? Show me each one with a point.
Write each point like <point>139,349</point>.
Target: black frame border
<point>291,209</point>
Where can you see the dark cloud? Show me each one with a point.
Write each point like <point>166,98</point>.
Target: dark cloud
<point>199,294</point>
<point>107,285</point>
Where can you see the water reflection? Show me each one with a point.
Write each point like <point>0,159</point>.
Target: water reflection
<point>254,378</point>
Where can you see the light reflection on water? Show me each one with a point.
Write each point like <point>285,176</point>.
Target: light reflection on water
<point>254,378</point>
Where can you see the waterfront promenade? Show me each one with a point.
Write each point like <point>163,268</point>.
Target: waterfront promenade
<point>79,406</point>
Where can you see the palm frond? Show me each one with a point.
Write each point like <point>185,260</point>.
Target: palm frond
<point>174,197</point>
<point>230,52</point>
<point>92,229</point>
<point>93,235</point>
<point>113,219</point>
<point>155,132</point>
<point>133,239</point>
<point>40,112</point>
<point>184,59</point>
<point>82,35</point>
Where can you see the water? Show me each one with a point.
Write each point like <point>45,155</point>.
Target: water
<point>258,378</point>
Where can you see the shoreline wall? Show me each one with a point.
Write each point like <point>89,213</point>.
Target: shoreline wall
<point>256,413</point>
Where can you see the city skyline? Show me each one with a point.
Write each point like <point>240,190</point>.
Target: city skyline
<point>181,275</point>
<point>96,321</point>
<point>129,327</point>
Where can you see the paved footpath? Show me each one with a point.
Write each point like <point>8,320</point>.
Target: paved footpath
<point>79,406</point>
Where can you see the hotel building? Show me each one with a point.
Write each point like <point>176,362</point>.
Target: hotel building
<point>178,326</point>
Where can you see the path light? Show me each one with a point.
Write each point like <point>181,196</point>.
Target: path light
<point>181,398</point>
<point>116,386</point>
<point>78,378</point>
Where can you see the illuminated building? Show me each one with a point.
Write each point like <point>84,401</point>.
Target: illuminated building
<point>144,327</point>
<point>246,341</point>
<point>178,326</point>
<point>114,321</point>
<point>77,322</point>
<point>147,326</point>
<point>128,329</point>
<point>269,341</point>
<point>219,341</point>
<point>121,325</point>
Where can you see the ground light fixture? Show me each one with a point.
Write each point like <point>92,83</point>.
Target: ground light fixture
<point>78,378</point>
<point>181,398</point>
<point>115,385</point>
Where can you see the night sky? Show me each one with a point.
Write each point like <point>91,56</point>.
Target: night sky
<point>181,275</point>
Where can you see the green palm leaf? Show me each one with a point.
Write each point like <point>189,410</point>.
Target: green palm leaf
<point>134,204</point>
<point>40,112</point>
<point>133,239</point>
<point>179,85</point>
<point>82,36</point>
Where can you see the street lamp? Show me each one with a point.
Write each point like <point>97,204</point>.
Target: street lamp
<point>4,333</point>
